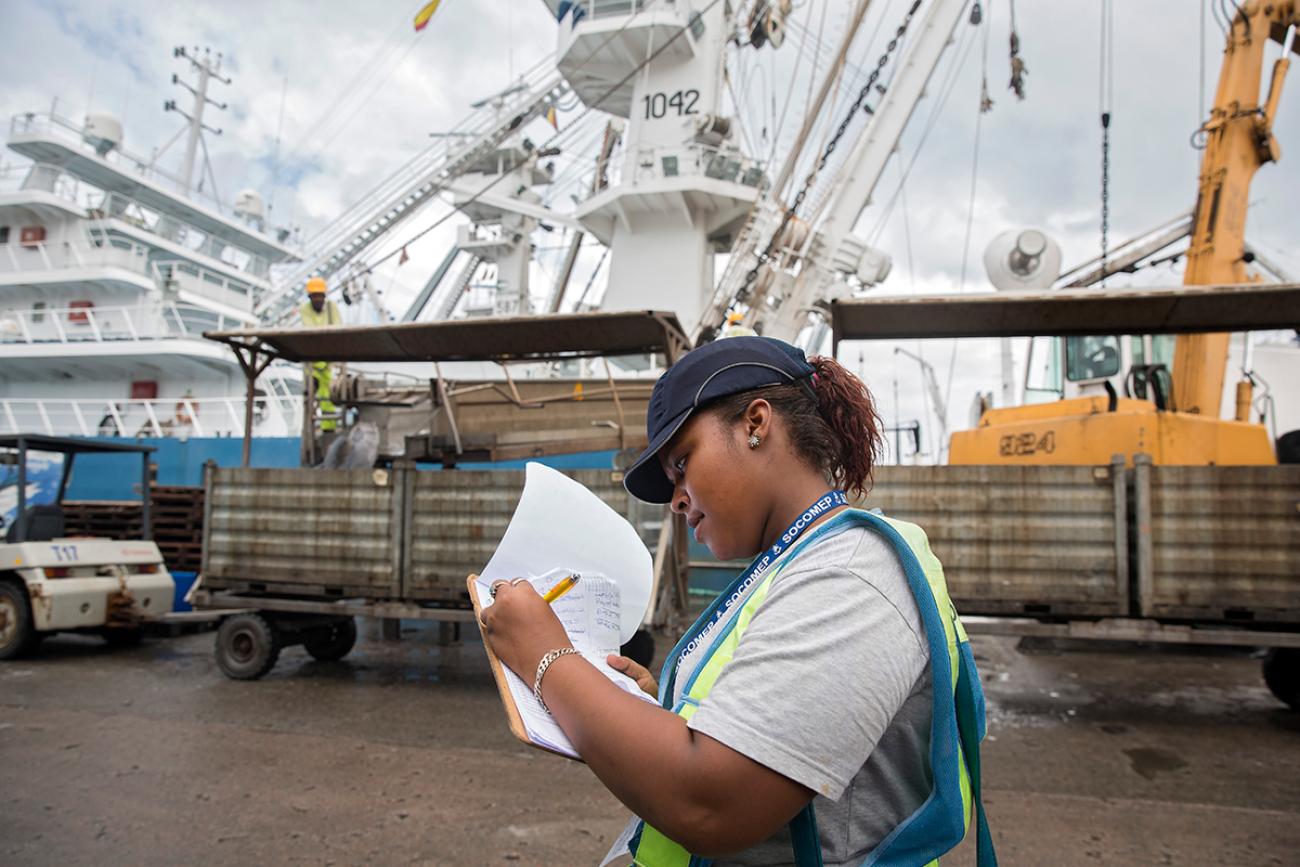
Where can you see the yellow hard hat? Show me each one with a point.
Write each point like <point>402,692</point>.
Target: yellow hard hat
<point>316,286</point>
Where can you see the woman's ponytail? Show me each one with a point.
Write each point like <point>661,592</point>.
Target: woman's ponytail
<point>846,406</point>
<point>833,425</point>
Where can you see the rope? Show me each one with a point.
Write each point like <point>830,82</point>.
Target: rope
<point>970,212</point>
<point>1106,86</point>
<point>953,72</point>
<point>1018,68</point>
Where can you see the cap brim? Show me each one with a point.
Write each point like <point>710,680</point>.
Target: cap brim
<point>646,479</point>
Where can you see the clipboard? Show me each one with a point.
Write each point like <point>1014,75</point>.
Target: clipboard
<point>513,717</point>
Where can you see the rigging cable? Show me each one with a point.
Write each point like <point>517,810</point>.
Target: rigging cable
<point>844,90</point>
<point>610,91</point>
<point>746,288</point>
<point>794,77</point>
<point>1106,87</point>
<point>960,55</point>
<point>976,21</point>
<point>376,61</point>
<point>1200,62</point>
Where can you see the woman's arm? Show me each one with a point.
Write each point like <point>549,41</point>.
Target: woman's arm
<point>709,798</point>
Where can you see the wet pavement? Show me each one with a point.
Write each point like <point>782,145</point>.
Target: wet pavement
<point>1097,754</point>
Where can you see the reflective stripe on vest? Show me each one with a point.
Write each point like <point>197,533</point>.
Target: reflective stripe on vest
<point>956,729</point>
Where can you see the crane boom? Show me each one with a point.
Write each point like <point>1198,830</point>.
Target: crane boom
<point>1238,140</point>
<point>836,252</point>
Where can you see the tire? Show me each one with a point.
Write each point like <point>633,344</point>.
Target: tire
<point>17,635</point>
<point>124,637</point>
<point>247,646</point>
<point>331,643</point>
<point>640,648</point>
<point>1282,674</point>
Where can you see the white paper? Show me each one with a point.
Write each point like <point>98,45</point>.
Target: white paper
<point>559,524</point>
<point>560,528</point>
<point>589,613</point>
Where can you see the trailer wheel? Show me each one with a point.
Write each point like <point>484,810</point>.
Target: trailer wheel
<point>640,648</point>
<point>247,646</point>
<point>1282,674</point>
<point>17,635</point>
<point>333,642</point>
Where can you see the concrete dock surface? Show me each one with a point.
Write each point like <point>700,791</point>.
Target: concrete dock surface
<point>399,754</point>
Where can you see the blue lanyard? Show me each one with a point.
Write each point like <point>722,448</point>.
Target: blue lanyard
<point>717,612</point>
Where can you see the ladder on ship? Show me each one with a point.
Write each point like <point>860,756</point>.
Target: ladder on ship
<point>412,186</point>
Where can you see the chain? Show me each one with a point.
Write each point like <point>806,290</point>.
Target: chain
<point>766,256</point>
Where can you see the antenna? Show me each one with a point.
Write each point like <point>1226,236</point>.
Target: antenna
<point>207,67</point>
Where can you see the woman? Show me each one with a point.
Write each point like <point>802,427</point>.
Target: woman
<point>825,708</point>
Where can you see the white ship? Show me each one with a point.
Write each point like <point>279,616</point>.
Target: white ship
<point>111,269</point>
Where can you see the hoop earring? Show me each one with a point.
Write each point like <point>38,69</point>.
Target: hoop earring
<point>754,441</point>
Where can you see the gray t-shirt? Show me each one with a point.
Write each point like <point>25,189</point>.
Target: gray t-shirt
<point>831,687</point>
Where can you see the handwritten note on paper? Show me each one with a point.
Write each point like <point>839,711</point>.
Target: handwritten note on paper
<point>590,615</point>
<point>559,524</point>
<point>560,527</point>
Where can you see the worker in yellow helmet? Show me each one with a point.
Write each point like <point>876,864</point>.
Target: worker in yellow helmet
<point>734,328</point>
<point>319,312</point>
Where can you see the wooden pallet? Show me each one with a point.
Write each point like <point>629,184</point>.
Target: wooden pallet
<point>175,522</point>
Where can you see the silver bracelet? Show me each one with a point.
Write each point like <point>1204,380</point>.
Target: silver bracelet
<point>550,657</point>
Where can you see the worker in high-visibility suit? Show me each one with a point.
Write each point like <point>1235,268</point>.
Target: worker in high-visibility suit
<point>318,312</point>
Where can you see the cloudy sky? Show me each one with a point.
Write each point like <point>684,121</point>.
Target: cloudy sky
<point>328,98</point>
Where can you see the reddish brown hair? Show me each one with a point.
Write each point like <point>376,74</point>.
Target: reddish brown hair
<point>838,432</point>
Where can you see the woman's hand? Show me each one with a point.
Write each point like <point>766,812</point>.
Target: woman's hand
<point>636,671</point>
<point>521,627</point>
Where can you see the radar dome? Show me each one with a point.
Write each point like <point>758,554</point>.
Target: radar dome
<point>102,131</point>
<point>249,204</point>
<point>1022,259</point>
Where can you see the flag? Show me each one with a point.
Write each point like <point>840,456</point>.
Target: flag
<point>552,118</point>
<point>422,17</point>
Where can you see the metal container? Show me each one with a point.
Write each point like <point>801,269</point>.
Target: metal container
<point>304,531</point>
<point>1218,543</point>
<point>1019,540</point>
<point>458,517</point>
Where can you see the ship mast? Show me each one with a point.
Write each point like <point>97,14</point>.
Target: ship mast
<point>207,68</point>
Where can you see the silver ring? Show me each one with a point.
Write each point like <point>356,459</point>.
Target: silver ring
<point>492,591</point>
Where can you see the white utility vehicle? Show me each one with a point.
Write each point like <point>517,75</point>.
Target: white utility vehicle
<point>50,582</point>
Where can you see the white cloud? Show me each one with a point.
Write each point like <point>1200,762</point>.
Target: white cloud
<point>1039,159</point>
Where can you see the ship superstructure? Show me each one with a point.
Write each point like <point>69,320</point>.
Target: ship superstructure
<point>112,267</point>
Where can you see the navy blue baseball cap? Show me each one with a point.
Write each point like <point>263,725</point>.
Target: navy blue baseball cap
<point>725,367</point>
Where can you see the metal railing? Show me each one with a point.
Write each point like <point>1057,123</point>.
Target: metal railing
<point>115,251</point>
<point>156,321</point>
<point>62,129</point>
<point>100,205</point>
<point>274,415</point>
<point>174,275</point>
<point>606,8</point>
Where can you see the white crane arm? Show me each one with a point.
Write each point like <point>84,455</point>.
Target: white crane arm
<point>835,250</point>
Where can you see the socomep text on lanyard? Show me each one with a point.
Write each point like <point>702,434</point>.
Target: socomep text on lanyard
<point>717,613</point>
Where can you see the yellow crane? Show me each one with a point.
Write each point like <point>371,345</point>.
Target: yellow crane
<point>1180,424</point>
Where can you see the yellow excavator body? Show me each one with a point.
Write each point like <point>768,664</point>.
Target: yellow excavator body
<point>1238,139</point>
<point>1086,431</point>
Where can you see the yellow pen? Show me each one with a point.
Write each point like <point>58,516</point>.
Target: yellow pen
<point>564,586</point>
